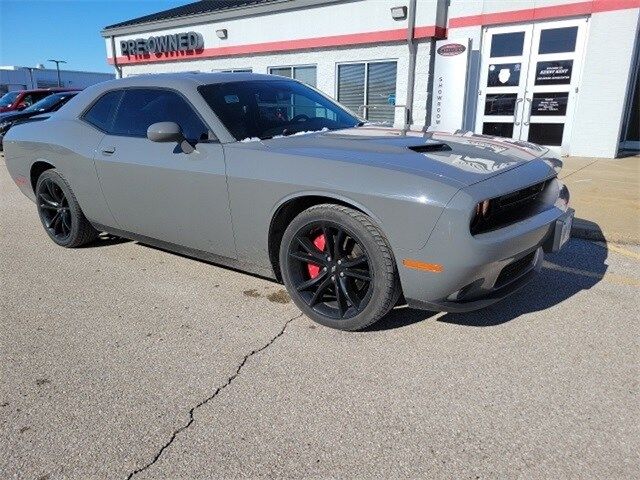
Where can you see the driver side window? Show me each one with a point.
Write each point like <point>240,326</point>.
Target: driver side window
<point>142,107</point>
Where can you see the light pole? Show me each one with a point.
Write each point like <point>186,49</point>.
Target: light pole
<point>31,77</point>
<point>57,62</point>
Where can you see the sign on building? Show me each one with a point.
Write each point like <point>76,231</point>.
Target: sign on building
<point>450,83</point>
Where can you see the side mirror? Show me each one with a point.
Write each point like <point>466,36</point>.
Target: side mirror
<point>169,132</point>
<point>165,132</point>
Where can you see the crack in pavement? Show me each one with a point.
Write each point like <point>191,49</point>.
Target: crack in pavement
<point>211,397</point>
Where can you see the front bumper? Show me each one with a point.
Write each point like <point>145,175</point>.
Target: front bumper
<point>476,298</point>
<point>479,270</point>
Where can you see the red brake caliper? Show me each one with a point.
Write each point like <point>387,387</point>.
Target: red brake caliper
<point>319,242</point>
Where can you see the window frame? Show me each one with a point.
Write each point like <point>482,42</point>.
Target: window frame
<point>291,68</point>
<point>122,91</point>
<point>366,63</point>
<point>84,112</point>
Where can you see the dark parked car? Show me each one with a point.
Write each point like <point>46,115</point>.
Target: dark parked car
<point>20,99</point>
<point>46,105</point>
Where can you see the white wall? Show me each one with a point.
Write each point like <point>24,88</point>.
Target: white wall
<point>604,85</point>
<point>346,18</point>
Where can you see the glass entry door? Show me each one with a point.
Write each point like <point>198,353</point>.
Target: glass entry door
<point>529,81</point>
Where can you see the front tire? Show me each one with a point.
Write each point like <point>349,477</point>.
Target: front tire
<point>338,267</point>
<point>60,212</point>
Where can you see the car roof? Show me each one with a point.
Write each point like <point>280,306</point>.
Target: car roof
<point>51,90</point>
<point>175,80</point>
<point>65,93</point>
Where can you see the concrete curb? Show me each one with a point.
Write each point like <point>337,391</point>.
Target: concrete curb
<point>596,235</point>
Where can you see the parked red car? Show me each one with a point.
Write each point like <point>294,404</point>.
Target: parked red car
<point>20,99</point>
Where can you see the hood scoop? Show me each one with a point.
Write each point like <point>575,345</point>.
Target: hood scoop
<point>430,147</point>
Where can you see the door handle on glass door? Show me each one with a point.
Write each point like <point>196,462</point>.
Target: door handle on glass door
<point>515,112</point>
<point>528,116</point>
<point>108,150</point>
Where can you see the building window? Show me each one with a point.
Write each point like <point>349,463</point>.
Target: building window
<point>237,70</point>
<point>369,89</point>
<point>305,74</point>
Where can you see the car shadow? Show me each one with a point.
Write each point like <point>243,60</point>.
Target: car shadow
<point>106,240</point>
<point>577,267</point>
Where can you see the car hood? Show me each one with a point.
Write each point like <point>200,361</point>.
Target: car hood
<point>462,157</point>
<point>11,116</point>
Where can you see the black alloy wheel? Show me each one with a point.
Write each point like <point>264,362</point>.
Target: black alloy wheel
<point>60,212</point>
<point>54,210</point>
<point>330,270</point>
<point>338,267</point>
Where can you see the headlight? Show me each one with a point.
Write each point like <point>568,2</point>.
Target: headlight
<point>481,215</point>
<point>482,209</point>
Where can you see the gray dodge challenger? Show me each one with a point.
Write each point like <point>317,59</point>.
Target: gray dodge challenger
<point>270,176</point>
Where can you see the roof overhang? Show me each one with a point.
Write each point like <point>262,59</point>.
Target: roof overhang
<point>210,17</point>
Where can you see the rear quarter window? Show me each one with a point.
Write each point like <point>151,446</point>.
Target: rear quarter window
<point>101,113</point>
<point>142,107</point>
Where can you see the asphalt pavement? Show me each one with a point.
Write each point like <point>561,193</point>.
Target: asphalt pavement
<point>119,360</point>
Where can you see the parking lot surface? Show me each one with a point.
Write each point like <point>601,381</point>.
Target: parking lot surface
<point>119,360</point>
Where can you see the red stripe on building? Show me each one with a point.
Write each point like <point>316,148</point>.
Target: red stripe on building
<point>396,35</point>
<point>544,13</point>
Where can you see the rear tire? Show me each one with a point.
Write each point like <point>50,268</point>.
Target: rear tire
<point>60,212</point>
<point>338,267</point>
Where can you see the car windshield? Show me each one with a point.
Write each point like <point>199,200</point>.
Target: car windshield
<point>47,103</point>
<point>265,109</point>
<point>8,98</point>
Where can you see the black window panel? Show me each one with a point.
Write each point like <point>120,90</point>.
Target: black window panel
<point>100,115</point>
<point>507,44</point>
<point>557,40</point>
<point>504,75</point>
<point>141,108</point>
<point>498,129</point>
<point>549,104</point>
<point>633,129</point>
<point>556,72</point>
<point>546,133</point>
<point>500,104</point>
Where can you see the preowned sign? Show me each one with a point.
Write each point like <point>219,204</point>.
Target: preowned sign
<point>177,42</point>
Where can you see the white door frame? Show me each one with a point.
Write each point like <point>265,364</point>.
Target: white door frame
<point>523,115</point>
<point>570,88</point>
<point>494,63</point>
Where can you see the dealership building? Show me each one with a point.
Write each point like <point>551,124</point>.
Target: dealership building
<point>559,73</point>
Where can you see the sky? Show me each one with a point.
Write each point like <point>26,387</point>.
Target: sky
<point>33,31</point>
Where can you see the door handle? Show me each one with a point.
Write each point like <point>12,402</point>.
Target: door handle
<point>108,150</point>
<point>515,112</point>
<point>529,114</point>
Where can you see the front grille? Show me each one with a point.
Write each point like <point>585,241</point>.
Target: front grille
<point>519,198</point>
<point>510,208</point>
<point>514,270</point>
